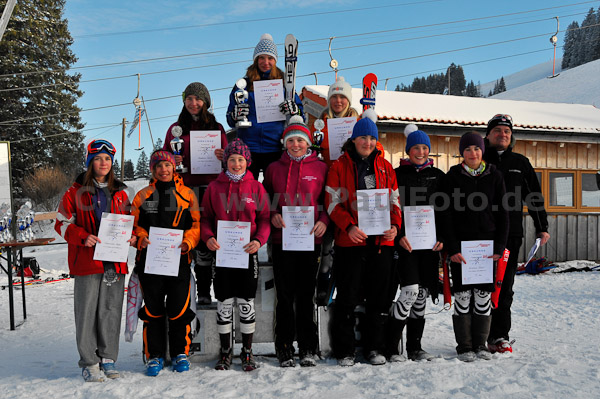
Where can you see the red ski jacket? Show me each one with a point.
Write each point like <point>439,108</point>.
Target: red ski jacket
<point>341,202</point>
<point>244,201</point>
<point>292,183</point>
<point>75,221</point>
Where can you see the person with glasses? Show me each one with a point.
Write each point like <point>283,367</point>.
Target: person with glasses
<point>99,285</point>
<point>522,186</point>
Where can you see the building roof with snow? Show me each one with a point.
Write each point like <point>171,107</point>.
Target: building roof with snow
<point>468,112</point>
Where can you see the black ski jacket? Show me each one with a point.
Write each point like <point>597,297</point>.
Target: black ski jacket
<point>522,186</point>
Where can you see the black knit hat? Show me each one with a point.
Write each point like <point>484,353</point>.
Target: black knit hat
<point>499,119</point>
<point>199,90</point>
<point>469,139</point>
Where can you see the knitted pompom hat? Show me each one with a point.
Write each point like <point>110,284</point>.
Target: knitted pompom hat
<point>365,127</point>
<point>340,87</point>
<point>237,146</point>
<point>266,45</point>
<point>296,128</point>
<point>161,155</point>
<point>417,137</point>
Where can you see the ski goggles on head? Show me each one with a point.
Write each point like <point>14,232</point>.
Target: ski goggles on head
<point>97,146</point>
<point>502,117</point>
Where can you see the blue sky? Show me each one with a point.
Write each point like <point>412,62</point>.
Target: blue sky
<point>213,41</point>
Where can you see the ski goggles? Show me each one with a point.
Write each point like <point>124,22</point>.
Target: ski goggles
<point>97,146</point>
<point>502,118</point>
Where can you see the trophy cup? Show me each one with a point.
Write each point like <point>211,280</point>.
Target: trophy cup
<point>241,97</point>
<point>177,147</point>
<point>318,134</point>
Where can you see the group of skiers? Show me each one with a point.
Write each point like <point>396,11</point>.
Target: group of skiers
<point>368,269</point>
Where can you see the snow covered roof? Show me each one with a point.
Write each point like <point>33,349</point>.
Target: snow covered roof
<point>440,110</point>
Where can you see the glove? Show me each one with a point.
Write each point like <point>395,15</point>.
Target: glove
<point>240,111</point>
<point>289,107</point>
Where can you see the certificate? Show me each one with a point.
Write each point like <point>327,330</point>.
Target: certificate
<point>299,221</point>
<point>339,131</point>
<point>419,224</point>
<point>232,236</point>
<point>268,94</point>
<point>479,268</point>
<point>203,144</point>
<point>163,254</point>
<point>533,250</point>
<point>113,233</point>
<point>373,211</point>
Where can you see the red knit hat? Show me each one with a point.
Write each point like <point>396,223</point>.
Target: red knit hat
<point>161,155</point>
<point>296,128</point>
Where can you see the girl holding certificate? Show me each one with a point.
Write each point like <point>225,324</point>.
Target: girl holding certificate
<point>99,285</point>
<point>296,182</point>
<point>417,269</point>
<point>236,196</point>
<point>339,98</point>
<point>263,139</point>
<point>194,116</point>
<point>168,204</point>
<point>365,261</point>
<point>474,194</point>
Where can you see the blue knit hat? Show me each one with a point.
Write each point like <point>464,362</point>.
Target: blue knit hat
<point>365,127</point>
<point>96,147</point>
<point>417,137</point>
<point>267,46</point>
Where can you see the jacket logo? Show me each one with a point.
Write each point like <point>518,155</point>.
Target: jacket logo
<point>248,200</point>
<point>309,178</point>
<point>151,206</point>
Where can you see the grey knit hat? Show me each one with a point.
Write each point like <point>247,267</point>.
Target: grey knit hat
<point>199,90</point>
<point>267,46</point>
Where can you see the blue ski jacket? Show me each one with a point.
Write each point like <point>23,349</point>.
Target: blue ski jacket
<point>260,137</point>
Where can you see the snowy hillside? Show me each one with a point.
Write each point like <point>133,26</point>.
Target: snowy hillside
<point>556,354</point>
<point>517,79</point>
<point>580,85</point>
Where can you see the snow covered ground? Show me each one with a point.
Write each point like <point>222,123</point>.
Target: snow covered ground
<point>556,354</point>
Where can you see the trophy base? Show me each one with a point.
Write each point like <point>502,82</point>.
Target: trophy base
<point>243,124</point>
<point>182,169</point>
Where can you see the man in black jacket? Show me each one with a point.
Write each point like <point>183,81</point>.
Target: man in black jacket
<point>522,186</point>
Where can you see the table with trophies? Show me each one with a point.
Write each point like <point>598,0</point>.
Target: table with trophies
<point>12,250</point>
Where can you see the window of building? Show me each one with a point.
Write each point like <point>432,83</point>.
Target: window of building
<point>570,190</point>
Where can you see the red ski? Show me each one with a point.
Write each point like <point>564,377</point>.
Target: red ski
<point>369,90</point>
<point>499,277</point>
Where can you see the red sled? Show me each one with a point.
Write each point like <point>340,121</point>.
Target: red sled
<point>446,282</point>
<point>499,277</point>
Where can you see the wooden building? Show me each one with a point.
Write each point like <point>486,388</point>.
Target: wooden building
<point>561,141</point>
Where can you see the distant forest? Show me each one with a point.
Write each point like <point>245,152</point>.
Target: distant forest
<point>582,42</point>
<point>452,82</point>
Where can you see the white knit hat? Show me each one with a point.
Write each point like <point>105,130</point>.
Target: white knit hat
<point>266,45</point>
<point>340,87</point>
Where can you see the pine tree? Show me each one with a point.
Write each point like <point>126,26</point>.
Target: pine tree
<point>36,53</point>
<point>117,168</point>
<point>141,168</point>
<point>158,145</point>
<point>472,90</point>
<point>501,85</point>
<point>457,80</point>
<point>588,36</point>
<point>129,171</point>
<point>569,46</point>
